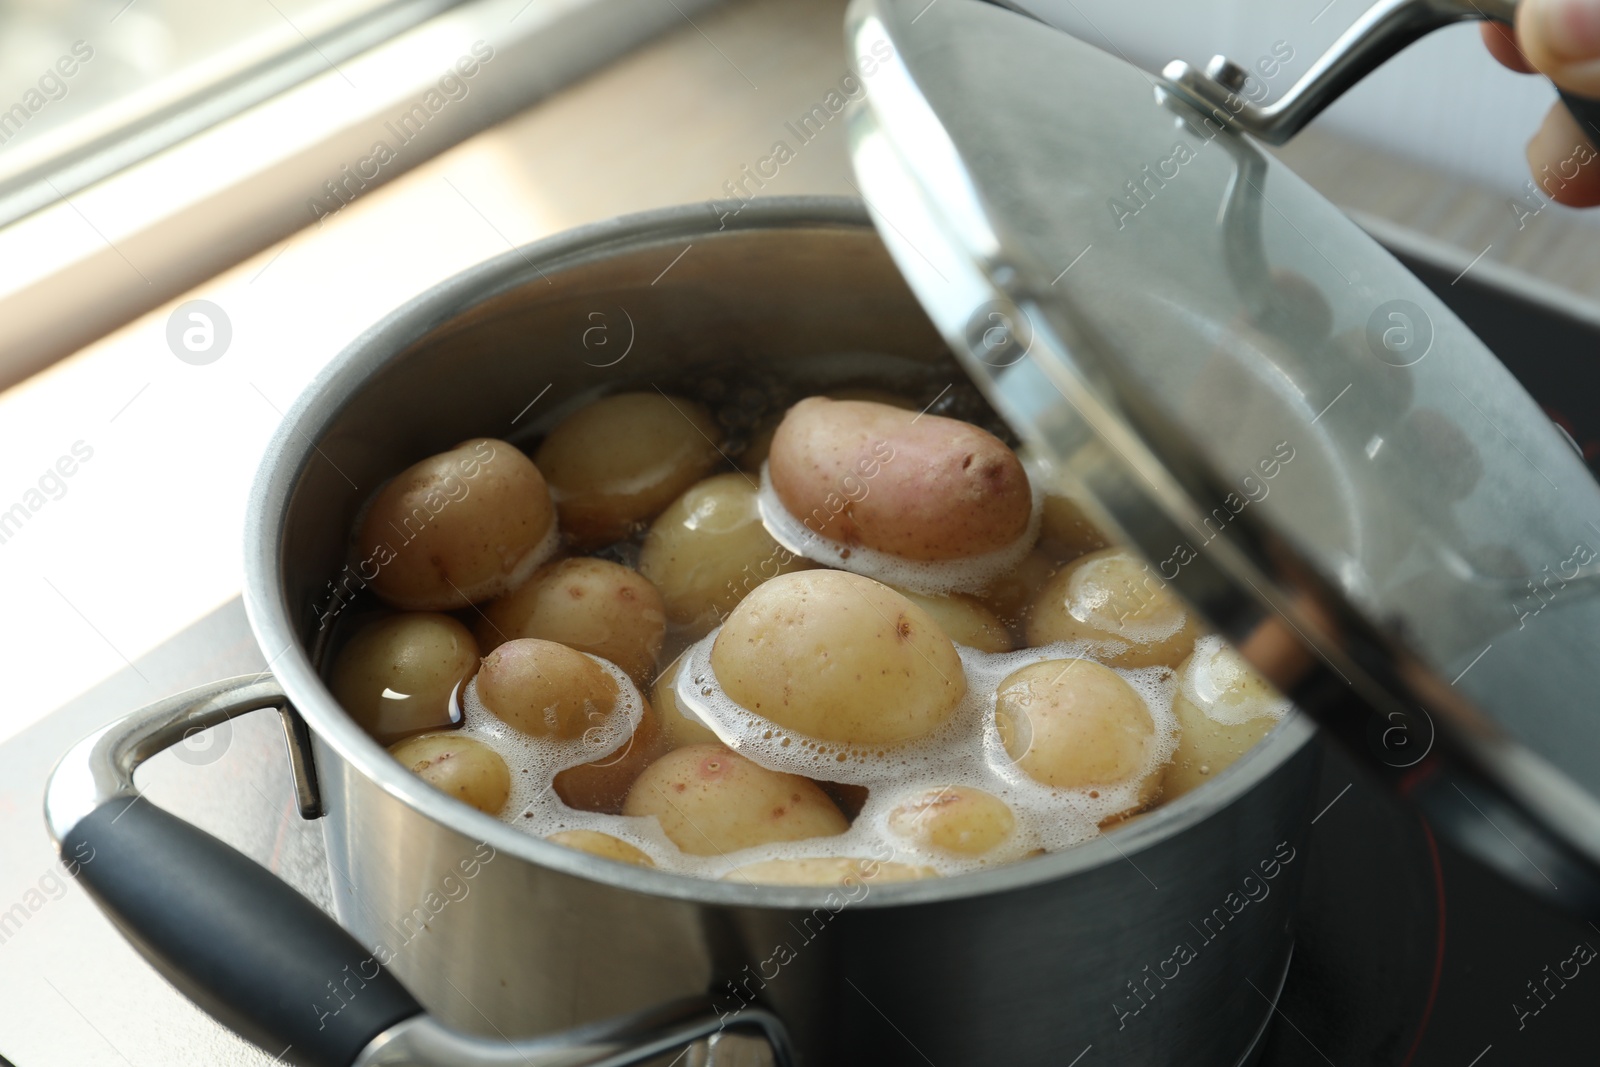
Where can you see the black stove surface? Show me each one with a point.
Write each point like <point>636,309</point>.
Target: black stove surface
<point>1410,954</point>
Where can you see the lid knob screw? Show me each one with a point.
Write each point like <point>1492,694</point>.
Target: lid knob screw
<point>1226,73</point>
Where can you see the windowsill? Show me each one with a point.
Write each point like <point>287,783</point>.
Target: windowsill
<point>145,536</point>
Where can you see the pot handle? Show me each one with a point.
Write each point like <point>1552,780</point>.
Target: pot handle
<point>1386,28</point>
<point>254,953</point>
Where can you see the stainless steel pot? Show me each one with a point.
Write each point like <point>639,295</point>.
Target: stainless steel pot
<point>1162,943</point>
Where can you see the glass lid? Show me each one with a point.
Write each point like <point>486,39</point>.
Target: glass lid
<point>1301,439</point>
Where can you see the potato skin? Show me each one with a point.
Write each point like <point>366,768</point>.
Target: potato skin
<point>545,689</point>
<point>466,769</point>
<point>1075,724</point>
<point>603,845</point>
<point>923,488</point>
<point>828,870</point>
<point>1011,596</point>
<point>1110,596</point>
<point>838,657</point>
<point>617,463</point>
<point>711,800</point>
<point>679,726</point>
<point>422,655</point>
<point>456,528</point>
<point>1214,733</point>
<point>1066,532</point>
<point>603,783</point>
<point>709,549</point>
<point>957,818</point>
<point>592,605</point>
<point>964,619</point>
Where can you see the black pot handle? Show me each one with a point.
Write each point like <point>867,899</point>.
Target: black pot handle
<point>257,955</point>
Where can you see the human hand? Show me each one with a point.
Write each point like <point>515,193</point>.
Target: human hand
<point>1561,40</point>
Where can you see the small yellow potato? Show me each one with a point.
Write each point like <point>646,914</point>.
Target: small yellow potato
<point>456,528</point>
<point>827,870</point>
<point>545,689</point>
<point>955,818</point>
<point>1120,606</point>
<point>1065,532</point>
<point>592,605</point>
<point>603,783</point>
<point>614,465</point>
<point>1223,707</point>
<point>603,845</point>
<point>711,800</point>
<point>709,549</point>
<point>838,657</point>
<point>1075,724</point>
<point>1012,595</point>
<point>467,769</point>
<point>922,488</point>
<point>395,676</point>
<point>965,619</point>
<point>680,725</point>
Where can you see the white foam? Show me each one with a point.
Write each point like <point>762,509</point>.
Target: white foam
<point>972,574</point>
<point>535,761</point>
<point>966,751</point>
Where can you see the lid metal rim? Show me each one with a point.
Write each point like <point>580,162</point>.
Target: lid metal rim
<point>905,158</point>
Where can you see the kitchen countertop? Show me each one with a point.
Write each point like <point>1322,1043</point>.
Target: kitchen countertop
<point>145,538</point>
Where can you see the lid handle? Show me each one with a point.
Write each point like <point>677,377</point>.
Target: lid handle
<point>1384,30</point>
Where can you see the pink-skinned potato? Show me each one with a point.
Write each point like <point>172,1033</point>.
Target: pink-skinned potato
<point>919,487</point>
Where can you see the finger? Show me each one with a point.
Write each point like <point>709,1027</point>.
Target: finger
<point>1502,44</point>
<point>1561,38</point>
<point>1564,163</point>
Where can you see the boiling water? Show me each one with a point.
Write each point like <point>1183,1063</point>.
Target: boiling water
<point>965,751</point>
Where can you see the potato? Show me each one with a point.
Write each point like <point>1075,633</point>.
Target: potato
<point>827,870</point>
<point>954,818</point>
<point>603,845</point>
<point>1011,595</point>
<point>1065,532</point>
<point>710,800</point>
<point>615,464</point>
<point>1120,606</point>
<point>395,676</point>
<point>709,549</point>
<point>838,657</point>
<point>592,605</point>
<point>964,619</point>
<point>1075,724</point>
<point>545,689</point>
<point>456,528</point>
<point>1223,707</point>
<point>681,726</point>
<point>922,488</point>
<point>603,783</point>
<point>467,769</point>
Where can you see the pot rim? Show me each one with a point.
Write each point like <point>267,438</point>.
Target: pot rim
<point>266,601</point>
